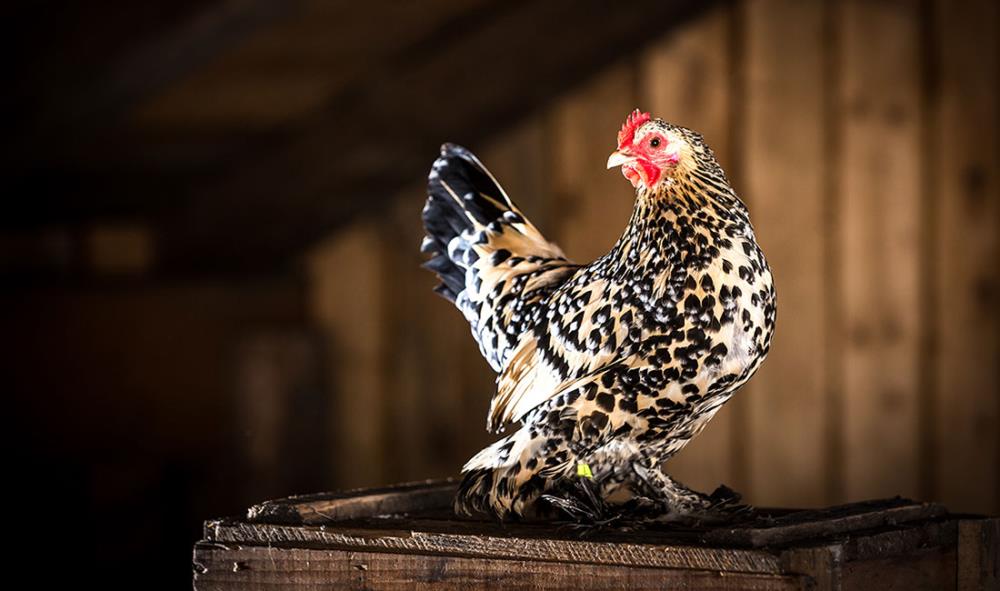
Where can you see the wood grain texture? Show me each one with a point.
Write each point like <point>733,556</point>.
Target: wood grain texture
<point>926,569</point>
<point>743,549</point>
<point>783,161</point>
<point>326,507</point>
<point>402,512</point>
<point>684,79</point>
<point>979,555</point>
<point>878,242</point>
<point>406,536</point>
<point>821,563</point>
<point>497,546</point>
<point>901,539</point>
<point>220,567</point>
<point>967,218</point>
<point>841,520</point>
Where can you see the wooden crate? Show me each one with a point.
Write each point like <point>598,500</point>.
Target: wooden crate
<point>406,537</point>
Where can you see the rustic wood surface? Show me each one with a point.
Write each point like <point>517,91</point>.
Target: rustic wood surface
<point>329,507</point>
<point>928,569</point>
<point>425,508</point>
<point>220,567</point>
<point>516,543</point>
<point>876,202</point>
<point>979,555</point>
<point>783,164</point>
<point>407,537</point>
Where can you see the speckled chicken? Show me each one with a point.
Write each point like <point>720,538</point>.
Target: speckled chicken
<point>611,367</point>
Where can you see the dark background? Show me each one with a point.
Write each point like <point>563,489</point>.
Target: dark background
<point>210,291</point>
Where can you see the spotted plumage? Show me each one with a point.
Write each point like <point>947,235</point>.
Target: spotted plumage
<point>617,364</point>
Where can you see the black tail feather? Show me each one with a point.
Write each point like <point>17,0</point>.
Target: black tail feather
<point>458,187</point>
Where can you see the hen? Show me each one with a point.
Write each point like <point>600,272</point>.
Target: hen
<point>611,367</point>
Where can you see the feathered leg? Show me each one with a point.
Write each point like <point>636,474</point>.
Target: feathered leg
<point>681,503</point>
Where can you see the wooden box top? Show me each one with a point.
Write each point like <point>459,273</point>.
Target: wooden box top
<point>417,518</point>
<point>406,537</point>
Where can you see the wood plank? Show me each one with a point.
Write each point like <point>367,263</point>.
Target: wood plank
<point>593,203</point>
<point>963,154</point>
<point>821,563</point>
<point>498,544</point>
<point>878,243</point>
<point>407,394</point>
<point>352,504</point>
<point>925,569</point>
<point>425,507</point>
<point>425,396</point>
<point>905,539</point>
<point>399,537</point>
<point>782,168</point>
<point>345,298</point>
<point>684,79</point>
<point>673,547</point>
<point>978,555</point>
<point>221,567</point>
<point>836,521</point>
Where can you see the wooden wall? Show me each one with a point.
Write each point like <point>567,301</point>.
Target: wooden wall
<point>863,136</point>
<point>144,407</point>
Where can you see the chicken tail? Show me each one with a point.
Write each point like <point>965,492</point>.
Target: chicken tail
<point>499,480</point>
<point>462,199</point>
<point>491,260</point>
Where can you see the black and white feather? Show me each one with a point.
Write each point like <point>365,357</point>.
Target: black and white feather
<point>492,262</point>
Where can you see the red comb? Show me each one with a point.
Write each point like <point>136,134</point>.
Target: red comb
<point>634,120</point>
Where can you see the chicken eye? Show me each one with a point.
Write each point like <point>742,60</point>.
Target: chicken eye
<point>654,142</point>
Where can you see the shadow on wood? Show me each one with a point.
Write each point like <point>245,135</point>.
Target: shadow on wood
<point>407,537</point>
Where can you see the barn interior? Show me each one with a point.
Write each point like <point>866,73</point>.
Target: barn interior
<point>210,269</point>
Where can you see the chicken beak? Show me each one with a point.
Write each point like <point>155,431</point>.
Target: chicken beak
<point>617,158</point>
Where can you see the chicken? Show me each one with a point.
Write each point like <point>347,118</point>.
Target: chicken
<point>612,367</point>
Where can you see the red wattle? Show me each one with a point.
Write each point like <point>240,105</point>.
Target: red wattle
<point>650,172</point>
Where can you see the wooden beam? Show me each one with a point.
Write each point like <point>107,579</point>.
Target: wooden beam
<point>783,184</point>
<point>878,240</point>
<point>75,116</point>
<point>480,73</point>
<point>966,200</point>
